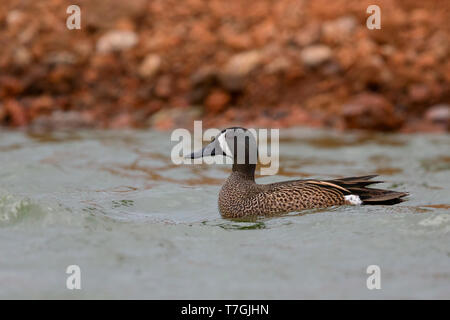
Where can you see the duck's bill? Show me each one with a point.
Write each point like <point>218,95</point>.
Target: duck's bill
<point>207,151</point>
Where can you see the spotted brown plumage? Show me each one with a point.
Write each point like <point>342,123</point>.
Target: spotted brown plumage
<point>241,196</point>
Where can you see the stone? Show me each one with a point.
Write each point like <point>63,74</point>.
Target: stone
<point>243,63</point>
<point>418,92</point>
<point>16,113</point>
<point>3,113</point>
<point>279,64</point>
<point>239,66</point>
<point>217,100</point>
<point>22,56</point>
<point>315,55</point>
<point>308,35</point>
<point>43,104</point>
<point>15,17</point>
<point>340,29</point>
<point>166,119</point>
<point>163,87</point>
<point>116,40</point>
<point>439,113</point>
<point>150,66</point>
<point>204,76</point>
<point>62,57</point>
<point>122,121</point>
<point>371,112</point>
<point>202,82</point>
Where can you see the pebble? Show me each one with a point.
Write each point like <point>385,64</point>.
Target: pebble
<point>150,66</point>
<point>370,111</point>
<point>238,68</point>
<point>439,113</point>
<point>339,29</point>
<point>315,55</point>
<point>116,40</point>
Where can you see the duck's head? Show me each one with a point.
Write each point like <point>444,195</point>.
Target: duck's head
<point>236,142</point>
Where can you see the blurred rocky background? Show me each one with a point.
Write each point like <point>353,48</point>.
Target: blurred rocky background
<point>265,63</point>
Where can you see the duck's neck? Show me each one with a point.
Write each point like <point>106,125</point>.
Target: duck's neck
<point>245,171</point>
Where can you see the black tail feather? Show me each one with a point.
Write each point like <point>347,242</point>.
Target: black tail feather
<point>369,196</point>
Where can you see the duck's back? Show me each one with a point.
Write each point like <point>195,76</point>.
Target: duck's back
<point>243,198</point>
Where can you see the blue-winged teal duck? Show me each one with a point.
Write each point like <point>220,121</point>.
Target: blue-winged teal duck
<point>241,196</point>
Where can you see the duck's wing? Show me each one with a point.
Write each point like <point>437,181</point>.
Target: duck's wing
<point>348,186</point>
<point>295,195</point>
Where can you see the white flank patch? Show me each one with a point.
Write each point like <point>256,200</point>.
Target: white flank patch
<point>224,145</point>
<point>353,199</point>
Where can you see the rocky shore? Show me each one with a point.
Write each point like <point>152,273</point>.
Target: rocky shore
<point>267,63</point>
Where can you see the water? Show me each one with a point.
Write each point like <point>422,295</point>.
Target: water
<point>140,227</point>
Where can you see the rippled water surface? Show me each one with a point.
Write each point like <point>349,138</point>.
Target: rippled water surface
<point>141,227</point>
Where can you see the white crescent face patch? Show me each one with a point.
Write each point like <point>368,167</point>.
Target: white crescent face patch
<point>224,145</point>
